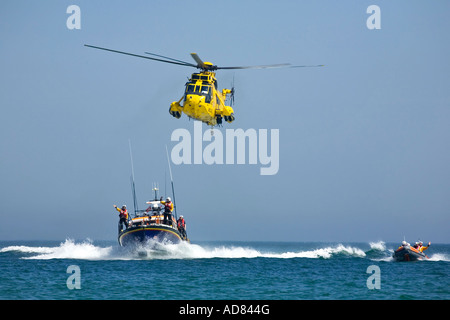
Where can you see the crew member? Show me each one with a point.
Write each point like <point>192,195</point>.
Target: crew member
<point>123,217</point>
<point>181,224</point>
<point>422,248</point>
<point>404,245</point>
<point>168,208</point>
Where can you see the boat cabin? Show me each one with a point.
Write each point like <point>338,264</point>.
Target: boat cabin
<point>151,220</point>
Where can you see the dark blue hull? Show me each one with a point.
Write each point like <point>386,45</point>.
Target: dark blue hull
<point>142,234</point>
<point>408,254</point>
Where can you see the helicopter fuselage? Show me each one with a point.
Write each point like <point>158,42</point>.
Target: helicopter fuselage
<point>203,101</point>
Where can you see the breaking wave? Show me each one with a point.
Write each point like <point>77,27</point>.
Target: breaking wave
<point>378,252</point>
<point>378,246</point>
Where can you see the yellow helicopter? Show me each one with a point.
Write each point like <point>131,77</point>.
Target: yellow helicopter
<point>202,99</point>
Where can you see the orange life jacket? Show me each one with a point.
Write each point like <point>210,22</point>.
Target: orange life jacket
<point>123,214</point>
<point>168,206</point>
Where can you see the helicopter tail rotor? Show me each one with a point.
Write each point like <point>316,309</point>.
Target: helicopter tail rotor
<point>232,97</point>
<point>232,93</point>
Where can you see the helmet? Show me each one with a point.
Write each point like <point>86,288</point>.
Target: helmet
<point>168,199</point>
<point>404,243</point>
<point>124,207</point>
<point>181,216</point>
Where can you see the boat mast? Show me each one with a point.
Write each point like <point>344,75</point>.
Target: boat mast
<point>133,189</point>
<point>173,189</point>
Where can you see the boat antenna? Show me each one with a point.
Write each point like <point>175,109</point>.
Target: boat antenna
<point>133,189</point>
<point>173,190</point>
<point>155,189</point>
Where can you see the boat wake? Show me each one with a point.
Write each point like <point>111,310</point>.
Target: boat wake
<point>66,250</point>
<point>86,250</point>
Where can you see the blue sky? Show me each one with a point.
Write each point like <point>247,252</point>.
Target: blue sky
<point>364,141</point>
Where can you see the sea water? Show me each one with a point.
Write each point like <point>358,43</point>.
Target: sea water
<point>102,270</point>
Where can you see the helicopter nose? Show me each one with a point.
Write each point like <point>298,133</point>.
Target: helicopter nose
<point>192,105</point>
<point>194,99</point>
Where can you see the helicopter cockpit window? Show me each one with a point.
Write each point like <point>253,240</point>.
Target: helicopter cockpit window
<point>206,91</point>
<point>190,88</point>
<point>199,90</point>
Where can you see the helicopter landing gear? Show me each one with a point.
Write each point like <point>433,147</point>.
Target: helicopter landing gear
<point>229,118</point>
<point>175,114</point>
<point>175,109</point>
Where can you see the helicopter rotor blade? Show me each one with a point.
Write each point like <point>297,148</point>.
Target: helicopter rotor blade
<point>268,66</point>
<point>139,56</point>
<point>176,60</point>
<point>200,63</point>
<point>314,66</point>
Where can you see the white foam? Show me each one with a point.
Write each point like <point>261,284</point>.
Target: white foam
<point>380,245</point>
<point>69,249</point>
<point>26,249</point>
<point>193,251</point>
<point>66,250</point>
<point>439,257</point>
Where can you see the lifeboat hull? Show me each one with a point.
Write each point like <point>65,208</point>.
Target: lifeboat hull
<point>142,234</point>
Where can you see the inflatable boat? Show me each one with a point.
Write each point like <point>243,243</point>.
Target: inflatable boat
<point>408,253</point>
